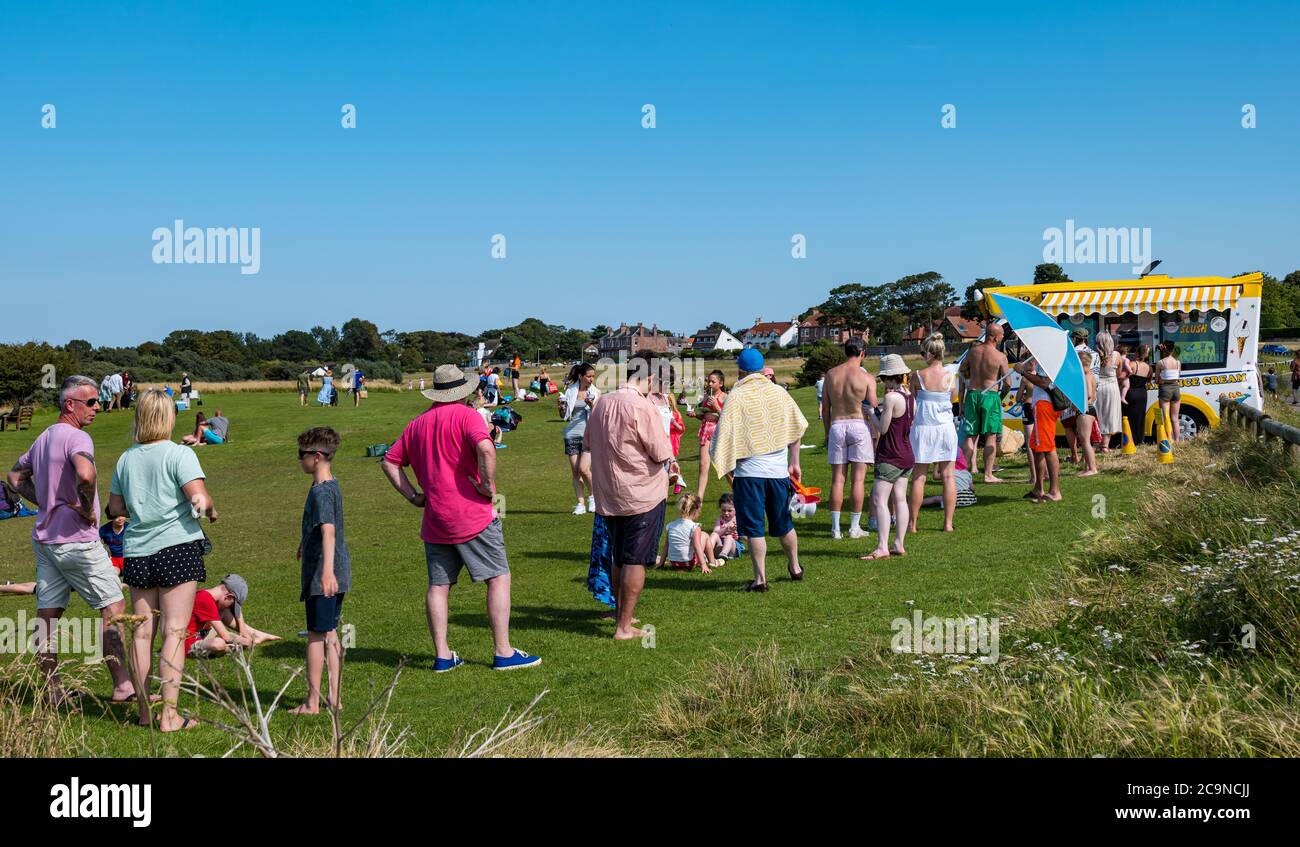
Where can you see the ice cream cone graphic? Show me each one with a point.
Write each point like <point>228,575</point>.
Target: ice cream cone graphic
<point>1241,344</point>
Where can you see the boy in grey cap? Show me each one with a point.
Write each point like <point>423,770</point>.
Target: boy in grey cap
<point>217,621</point>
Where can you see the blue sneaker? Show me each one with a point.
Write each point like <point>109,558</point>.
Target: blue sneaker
<point>519,660</point>
<point>24,512</point>
<point>444,665</point>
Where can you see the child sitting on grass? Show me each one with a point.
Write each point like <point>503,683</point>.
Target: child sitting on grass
<point>217,621</point>
<point>724,541</point>
<point>685,546</point>
<point>326,566</point>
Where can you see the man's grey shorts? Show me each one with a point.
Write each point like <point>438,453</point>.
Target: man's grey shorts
<point>484,556</point>
<point>83,567</point>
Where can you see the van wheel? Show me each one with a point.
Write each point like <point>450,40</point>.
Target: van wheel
<point>1191,423</point>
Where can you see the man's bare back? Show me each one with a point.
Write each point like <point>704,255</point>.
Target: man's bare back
<point>847,385</point>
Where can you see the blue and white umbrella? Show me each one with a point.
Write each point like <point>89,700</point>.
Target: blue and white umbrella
<point>1048,343</point>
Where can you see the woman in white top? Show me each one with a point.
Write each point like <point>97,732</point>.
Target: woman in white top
<point>1109,404</point>
<point>934,433</point>
<point>575,405</point>
<point>1168,373</point>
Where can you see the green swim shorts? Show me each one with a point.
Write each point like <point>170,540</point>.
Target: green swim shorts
<point>886,472</point>
<point>981,414</point>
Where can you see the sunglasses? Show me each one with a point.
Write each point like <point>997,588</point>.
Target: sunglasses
<point>302,454</point>
<point>91,403</point>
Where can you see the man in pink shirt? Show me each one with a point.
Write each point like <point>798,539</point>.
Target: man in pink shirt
<point>58,473</point>
<point>625,436</point>
<point>454,460</point>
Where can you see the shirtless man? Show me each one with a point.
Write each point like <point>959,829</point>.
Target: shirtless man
<point>983,373</point>
<point>848,440</point>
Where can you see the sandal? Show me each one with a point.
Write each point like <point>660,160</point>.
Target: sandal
<point>757,586</point>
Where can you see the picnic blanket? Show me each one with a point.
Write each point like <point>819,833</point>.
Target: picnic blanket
<point>759,417</point>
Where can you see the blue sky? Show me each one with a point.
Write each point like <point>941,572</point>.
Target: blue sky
<point>525,119</point>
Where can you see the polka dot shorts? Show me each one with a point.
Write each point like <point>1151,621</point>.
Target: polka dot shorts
<point>170,566</point>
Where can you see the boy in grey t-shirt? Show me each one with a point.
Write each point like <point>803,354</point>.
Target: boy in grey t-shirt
<point>326,565</point>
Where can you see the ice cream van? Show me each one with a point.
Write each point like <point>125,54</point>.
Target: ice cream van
<point>1213,320</point>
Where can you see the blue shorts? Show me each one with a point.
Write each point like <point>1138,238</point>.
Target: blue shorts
<point>756,497</point>
<point>323,612</point>
<point>211,437</point>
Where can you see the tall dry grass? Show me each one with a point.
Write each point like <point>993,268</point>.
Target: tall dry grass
<point>1138,647</point>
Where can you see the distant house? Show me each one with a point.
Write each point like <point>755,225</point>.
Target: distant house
<point>957,328</point>
<point>768,334</point>
<point>591,350</point>
<point>709,340</point>
<point>953,328</point>
<point>632,340</point>
<point>816,328</point>
<point>485,352</point>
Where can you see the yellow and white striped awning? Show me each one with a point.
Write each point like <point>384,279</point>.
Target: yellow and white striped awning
<point>1141,300</point>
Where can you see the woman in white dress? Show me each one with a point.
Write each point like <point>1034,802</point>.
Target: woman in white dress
<point>934,433</point>
<point>1110,409</point>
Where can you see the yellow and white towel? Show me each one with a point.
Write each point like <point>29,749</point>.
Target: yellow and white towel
<point>759,417</point>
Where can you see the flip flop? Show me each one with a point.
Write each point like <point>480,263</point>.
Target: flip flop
<point>873,555</point>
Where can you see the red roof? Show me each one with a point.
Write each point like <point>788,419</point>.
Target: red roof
<point>965,328</point>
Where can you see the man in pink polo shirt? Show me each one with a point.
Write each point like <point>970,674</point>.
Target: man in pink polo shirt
<point>59,474</point>
<point>625,436</point>
<point>454,460</point>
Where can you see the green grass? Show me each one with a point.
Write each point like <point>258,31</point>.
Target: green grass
<point>1003,547</point>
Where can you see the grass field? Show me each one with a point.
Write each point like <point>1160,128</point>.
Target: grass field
<point>1003,548</point>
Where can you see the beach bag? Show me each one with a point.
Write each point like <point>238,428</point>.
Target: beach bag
<point>363,393</point>
<point>506,419</point>
<point>1011,442</point>
<point>1059,401</point>
<point>1095,438</point>
<point>534,386</point>
<point>550,388</point>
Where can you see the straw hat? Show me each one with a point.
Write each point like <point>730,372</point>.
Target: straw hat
<point>891,364</point>
<point>449,385</point>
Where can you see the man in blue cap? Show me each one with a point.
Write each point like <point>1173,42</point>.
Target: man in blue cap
<point>757,445</point>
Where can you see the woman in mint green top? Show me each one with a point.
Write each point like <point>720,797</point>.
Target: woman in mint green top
<point>159,486</point>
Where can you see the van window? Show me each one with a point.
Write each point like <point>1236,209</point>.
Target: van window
<point>1202,337</point>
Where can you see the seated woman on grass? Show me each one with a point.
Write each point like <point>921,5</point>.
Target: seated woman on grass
<point>207,430</point>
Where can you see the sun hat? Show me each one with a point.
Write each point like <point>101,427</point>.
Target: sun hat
<point>750,360</point>
<point>238,586</point>
<point>450,385</point>
<point>892,364</point>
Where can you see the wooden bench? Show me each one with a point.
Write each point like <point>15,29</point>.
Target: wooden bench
<point>20,419</point>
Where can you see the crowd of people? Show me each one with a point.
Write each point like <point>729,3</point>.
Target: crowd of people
<point>622,450</point>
